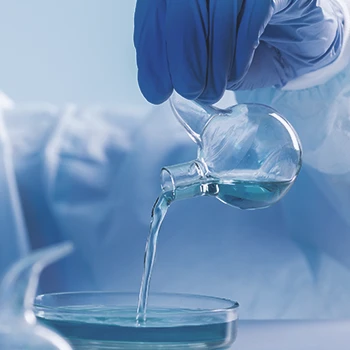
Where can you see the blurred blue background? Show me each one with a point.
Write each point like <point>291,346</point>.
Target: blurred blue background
<point>77,51</point>
<point>91,174</point>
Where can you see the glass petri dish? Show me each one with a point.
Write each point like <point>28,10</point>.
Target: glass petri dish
<point>107,320</point>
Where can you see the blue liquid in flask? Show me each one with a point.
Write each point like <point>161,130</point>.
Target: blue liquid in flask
<point>249,194</point>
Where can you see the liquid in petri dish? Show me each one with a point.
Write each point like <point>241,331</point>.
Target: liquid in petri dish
<point>116,329</point>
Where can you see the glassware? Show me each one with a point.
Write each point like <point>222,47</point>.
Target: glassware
<point>248,155</point>
<point>102,320</point>
<point>19,328</point>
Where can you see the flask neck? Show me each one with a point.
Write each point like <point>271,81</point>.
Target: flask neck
<point>192,115</point>
<point>183,181</point>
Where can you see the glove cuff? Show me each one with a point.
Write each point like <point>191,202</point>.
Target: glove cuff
<point>322,75</point>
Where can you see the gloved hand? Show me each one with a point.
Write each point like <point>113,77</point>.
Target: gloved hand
<point>200,48</point>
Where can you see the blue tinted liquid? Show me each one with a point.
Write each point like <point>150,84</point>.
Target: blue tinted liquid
<point>159,211</point>
<point>248,194</point>
<point>240,194</point>
<point>117,329</point>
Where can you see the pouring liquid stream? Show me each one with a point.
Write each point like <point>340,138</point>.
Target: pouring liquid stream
<point>239,194</point>
<point>159,211</point>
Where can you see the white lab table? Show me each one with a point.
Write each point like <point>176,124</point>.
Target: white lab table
<point>293,335</point>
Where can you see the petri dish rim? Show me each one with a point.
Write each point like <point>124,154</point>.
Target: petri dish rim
<point>45,303</point>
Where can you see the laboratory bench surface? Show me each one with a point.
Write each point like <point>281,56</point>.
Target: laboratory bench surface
<point>293,335</point>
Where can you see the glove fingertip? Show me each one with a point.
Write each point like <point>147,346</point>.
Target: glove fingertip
<point>153,91</point>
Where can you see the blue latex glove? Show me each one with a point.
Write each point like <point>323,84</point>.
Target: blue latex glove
<point>200,48</point>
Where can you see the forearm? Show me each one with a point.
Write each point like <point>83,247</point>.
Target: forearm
<point>329,66</point>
